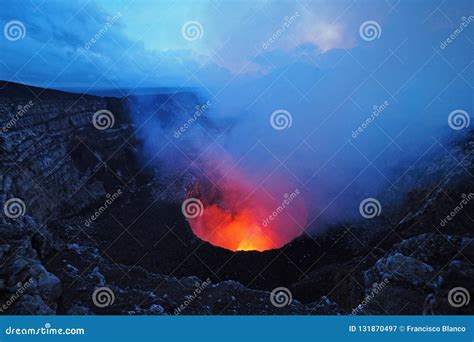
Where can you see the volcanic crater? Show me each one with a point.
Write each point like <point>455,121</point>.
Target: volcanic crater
<point>151,255</point>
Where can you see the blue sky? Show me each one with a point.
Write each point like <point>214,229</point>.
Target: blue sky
<point>145,47</point>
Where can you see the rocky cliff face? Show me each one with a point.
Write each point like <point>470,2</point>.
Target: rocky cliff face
<point>88,216</point>
<point>62,170</point>
<point>53,164</point>
<point>51,153</point>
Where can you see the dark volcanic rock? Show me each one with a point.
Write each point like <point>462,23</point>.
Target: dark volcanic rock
<point>424,266</point>
<point>97,220</point>
<point>26,286</point>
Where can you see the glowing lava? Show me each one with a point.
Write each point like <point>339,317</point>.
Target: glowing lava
<point>240,216</point>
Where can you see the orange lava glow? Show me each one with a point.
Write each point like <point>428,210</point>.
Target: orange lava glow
<point>236,213</point>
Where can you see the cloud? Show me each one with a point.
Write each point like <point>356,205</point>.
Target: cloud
<point>317,68</point>
<point>81,45</point>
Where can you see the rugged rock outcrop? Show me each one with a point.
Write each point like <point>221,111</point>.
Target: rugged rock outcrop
<point>48,169</point>
<point>94,219</point>
<point>421,271</point>
<point>63,170</point>
<point>26,287</point>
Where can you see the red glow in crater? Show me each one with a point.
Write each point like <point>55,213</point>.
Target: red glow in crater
<point>240,216</point>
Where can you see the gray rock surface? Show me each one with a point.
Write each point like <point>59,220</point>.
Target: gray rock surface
<point>62,168</point>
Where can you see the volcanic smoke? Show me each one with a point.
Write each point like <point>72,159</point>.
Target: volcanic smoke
<point>239,215</point>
